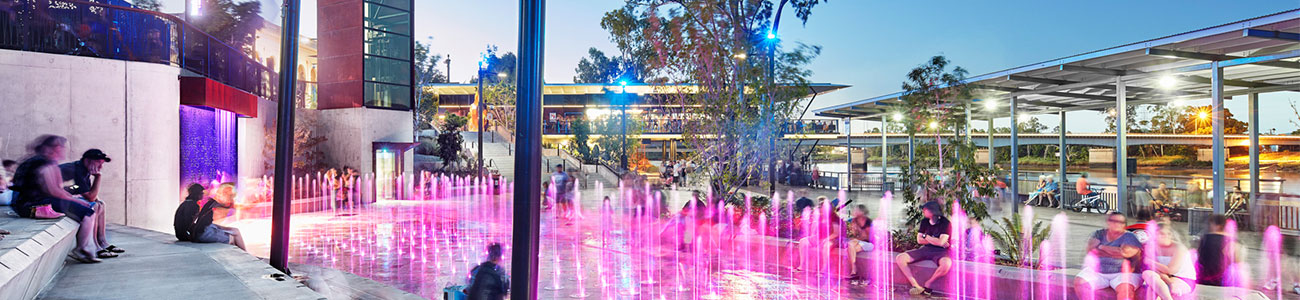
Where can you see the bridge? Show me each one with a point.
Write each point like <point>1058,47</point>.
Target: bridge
<point>1074,139</point>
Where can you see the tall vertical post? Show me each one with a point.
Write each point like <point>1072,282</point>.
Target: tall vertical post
<point>479,107</point>
<point>992,155</point>
<point>1015,158</point>
<point>848,147</point>
<point>282,183</point>
<point>1254,146</point>
<point>966,129</point>
<point>884,152</point>
<point>528,139</point>
<point>623,137</point>
<point>1064,160</point>
<point>1216,103</point>
<point>1121,146</point>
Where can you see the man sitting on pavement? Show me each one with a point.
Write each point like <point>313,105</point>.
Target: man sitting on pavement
<point>85,177</point>
<point>1113,247</point>
<point>933,238</point>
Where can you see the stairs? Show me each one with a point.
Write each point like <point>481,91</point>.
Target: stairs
<point>498,155</point>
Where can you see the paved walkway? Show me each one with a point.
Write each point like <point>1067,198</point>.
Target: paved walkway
<point>155,266</point>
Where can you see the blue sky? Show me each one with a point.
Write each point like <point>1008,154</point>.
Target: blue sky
<point>868,44</point>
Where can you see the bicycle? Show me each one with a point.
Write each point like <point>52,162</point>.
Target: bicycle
<point>1091,202</point>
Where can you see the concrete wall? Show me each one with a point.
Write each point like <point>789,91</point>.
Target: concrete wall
<point>127,109</point>
<point>253,142</point>
<point>351,133</point>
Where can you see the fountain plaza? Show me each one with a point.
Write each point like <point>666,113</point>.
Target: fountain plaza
<point>431,234</point>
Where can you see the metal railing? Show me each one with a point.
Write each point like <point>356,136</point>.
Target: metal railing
<point>856,181</point>
<point>679,126</point>
<point>114,30</point>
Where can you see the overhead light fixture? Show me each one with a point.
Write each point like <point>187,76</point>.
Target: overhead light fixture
<point>934,124</point>
<point>502,75</point>
<point>740,56</point>
<point>898,117</point>
<point>1168,82</point>
<point>990,104</point>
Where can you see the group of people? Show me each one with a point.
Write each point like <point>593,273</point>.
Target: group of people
<point>675,172</point>
<point>35,188</point>
<point>1126,260</point>
<point>193,220</point>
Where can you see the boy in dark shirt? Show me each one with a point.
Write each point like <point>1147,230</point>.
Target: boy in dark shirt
<point>488,281</point>
<point>933,237</point>
<point>1216,253</point>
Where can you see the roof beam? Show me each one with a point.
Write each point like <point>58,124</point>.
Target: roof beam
<point>1216,57</point>
<point>1066,82</point>
<point>1269,34</point>
<point>1231,82</point>
<point>1102,71</point>
<point>1056,94</point>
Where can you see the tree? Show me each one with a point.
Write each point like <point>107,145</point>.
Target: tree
<point>1200,120</point>
<point>598,68</point>
<point>234,23</point>
<point>449,140</point>
<point>697,43</point>
<point>426,72</point>
<point>152,5</point>
<point>581,138</point>
<point>934,96</point>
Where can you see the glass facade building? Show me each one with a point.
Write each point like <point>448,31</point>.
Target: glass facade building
<point>387,55</point>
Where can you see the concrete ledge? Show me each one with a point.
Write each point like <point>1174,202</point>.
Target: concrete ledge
<point>33,254</point>
<point>1006,282</point>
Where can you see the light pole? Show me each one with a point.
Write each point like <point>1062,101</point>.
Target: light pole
<point>771,109</point>
<point>622,95</point>
<point>481,72</point>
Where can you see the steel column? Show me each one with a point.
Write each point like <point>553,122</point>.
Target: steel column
<point>1254,146</point>
<point>284,134</point>
<point>1063,163</point>
<point>992,155</point>
<point>884,152</point>
<point>966,129</point>
<point>1015,158</point>
<point>1121,146</point>
<point>1216,103</point>
<point>528,141</point>
<point>848,146</point>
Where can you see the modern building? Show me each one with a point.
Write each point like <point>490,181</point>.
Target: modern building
<point>174,106</point>
<point>563,103</point>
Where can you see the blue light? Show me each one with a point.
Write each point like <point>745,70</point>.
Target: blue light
<point>771,35</point>
<point>622,82</point>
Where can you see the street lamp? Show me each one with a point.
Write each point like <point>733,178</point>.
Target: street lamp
<point>622,95</point>
<point>481,72</point>
<point>771,83</point>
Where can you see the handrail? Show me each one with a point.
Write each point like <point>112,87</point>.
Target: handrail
<point>76,27</point>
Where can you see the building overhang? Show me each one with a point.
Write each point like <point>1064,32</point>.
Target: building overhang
<point>203,91</point>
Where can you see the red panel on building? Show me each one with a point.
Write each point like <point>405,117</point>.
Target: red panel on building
<point>202,91</point>
<point>339,57</point>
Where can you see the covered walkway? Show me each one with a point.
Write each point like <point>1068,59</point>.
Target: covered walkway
<point>1244,58</point>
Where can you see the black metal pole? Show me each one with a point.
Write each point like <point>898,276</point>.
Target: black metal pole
<point>771,109</point>
<point>528,141</point>
<point>284,139</point>
<point>623,139</point>
<point>480,120</point>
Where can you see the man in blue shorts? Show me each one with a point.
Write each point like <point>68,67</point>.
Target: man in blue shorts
<point>933,237</point>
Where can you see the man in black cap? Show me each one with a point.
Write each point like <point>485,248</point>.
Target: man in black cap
<point>85,175</point>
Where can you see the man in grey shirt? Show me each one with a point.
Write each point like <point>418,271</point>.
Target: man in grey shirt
<point>1113,247</point>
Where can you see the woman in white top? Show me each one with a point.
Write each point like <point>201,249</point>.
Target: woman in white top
<point>1173,273</point>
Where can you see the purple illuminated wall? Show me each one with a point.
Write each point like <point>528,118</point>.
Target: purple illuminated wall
<point>209,145</point>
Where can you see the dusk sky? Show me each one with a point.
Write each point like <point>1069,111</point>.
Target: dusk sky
<point>868,44</point>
